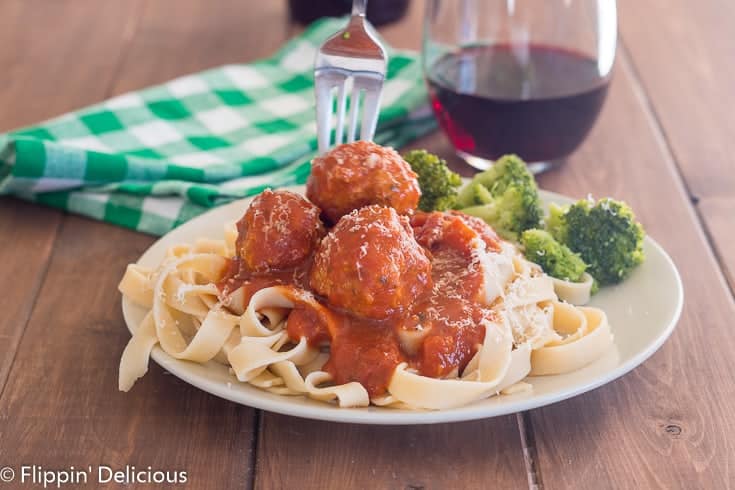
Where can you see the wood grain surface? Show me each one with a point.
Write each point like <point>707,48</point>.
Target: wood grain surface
<point>173,38</point>
<point>37,67</point>
<point>59,56</point>
<point>661,142</point>
<point>666,424</point>
<point>22,272</point>
<point>323,455</point>
<point>719,215</point>
<point>683,53</point>
<point>61,407</point>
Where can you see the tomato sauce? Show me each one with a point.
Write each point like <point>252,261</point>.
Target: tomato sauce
<point>447,319</point>
<point>238,275</point>
<point>365,351</point>
<point>455,333</point>
<point>305,321</point>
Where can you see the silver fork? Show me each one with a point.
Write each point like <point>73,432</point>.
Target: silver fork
<point>353,55</point>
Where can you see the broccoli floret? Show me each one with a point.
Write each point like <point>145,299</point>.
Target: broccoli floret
<point>438,184</point>
<point>505,196</point>
<point>605,234</point>
<point>554,258</point>
<point>555,222</point>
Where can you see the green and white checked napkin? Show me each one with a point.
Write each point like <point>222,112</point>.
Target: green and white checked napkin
<point>150,160</point>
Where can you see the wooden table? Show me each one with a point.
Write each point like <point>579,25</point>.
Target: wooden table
<point>664,143</point>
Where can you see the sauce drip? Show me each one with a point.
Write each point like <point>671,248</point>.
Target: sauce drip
<point>238,275</point>
<point>366,351</point>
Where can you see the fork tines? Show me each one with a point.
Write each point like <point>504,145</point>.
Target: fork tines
<point>351,60</point>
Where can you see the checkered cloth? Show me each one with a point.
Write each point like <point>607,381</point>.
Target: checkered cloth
<point>151,160</point>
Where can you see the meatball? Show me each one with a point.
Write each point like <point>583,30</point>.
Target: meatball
<point>279,230</point>
<point>370,264</point>
<point>359,174</point>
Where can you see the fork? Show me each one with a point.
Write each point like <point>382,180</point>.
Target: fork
<point>351,56</point>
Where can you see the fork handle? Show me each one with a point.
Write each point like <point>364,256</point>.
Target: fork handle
<point>359,7</point>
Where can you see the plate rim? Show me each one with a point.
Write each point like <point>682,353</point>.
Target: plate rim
<point>386,416</point>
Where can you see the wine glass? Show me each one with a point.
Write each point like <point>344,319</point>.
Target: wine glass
<point>518,76</point>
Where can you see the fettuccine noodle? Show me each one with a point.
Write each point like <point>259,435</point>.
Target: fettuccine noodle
<point>187,317</point>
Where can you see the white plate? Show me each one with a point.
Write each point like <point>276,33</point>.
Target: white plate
<point>643,312</point>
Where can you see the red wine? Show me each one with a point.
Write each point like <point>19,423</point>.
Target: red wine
<point>533,100</point>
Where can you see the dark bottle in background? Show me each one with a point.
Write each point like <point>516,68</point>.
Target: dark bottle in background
<point>379,12</point>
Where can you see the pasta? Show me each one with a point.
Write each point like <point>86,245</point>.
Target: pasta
<point>576,293</point>
<point>189,317</point>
